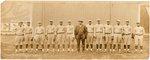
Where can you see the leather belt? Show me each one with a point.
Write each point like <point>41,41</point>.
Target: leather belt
<point>39,33</point>
<point>107,33</point>
<point>50,33</point>
<point>138,34</point>
<point>21,35</point>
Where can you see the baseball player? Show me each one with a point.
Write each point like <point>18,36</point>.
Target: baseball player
<point>28,37</point>
<point>70,36</point>
<point>90,36</point>
<point>19,32</point>
<point>108,35</point>
<point>51,34</point>
<point>60,31</point>
<point>98,33</point>
<point>127,36</point>
<point>139,33</point>
<point>39,37</point>
<point>117,32</point>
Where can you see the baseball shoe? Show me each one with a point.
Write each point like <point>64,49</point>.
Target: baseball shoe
<point>63,49</point>
<point>58,50</point>
<point>120,51</point>
<point>91,50</point>
<point>87,49</point>
<point>16,51</point>
<point>128,51</point>
<point>105,50</point>
<point>141,51</point>
<point>135,51</point>
<point>113,50</point>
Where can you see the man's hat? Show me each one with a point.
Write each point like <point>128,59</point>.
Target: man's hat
<point>28,22</point>
<point>60,20</point>
<point>20,21</point>
<point>98,19</point>
<point>50,20</point>
<point>69,20</point>
<point>90,20</point>
<point>127,20</point>
<point>80,20</point>
<point>39,22</point>
<point>107,20</point>
<point>137,22</point>
<point>118,20</point>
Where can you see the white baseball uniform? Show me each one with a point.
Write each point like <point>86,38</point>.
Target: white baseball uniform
<point>39,37</point>
<point>90,35</point>
<point>117,34</point>
<point>60,31</point>
<point>28,34</point>
<point>99,32</point>
<point>108,33</point>
<point>51,31</point>
<point>139,33</point>
<point>127,36</point>
<point>70,34</point>
<point>19,35</point>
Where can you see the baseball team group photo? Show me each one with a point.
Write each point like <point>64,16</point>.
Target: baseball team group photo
<point>75,30</point>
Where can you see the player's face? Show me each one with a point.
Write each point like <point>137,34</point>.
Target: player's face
<point>118,23</point>
<point>51,23</point>
<point>69,23</point>
<point>80,23</point>
<point>40,24</point>
<point>20,23</point>
<point>138,24</point>
<point>90,22</point>
<point>98,22</point>
<point>61,23</point>
<point>28,23</point>
<point>127,23</point>
<point>108,22</point>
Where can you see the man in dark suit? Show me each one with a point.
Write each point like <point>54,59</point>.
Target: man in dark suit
<point>80,35</point>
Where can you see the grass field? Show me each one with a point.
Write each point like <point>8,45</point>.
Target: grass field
<point>8,52</point>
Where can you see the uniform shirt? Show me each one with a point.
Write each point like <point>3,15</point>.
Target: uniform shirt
<point>108,29</point>
<point>139,30</point>
<point>28,30</point>
<point>19,30</point>
<point>60,29</point>
<point>39,30</point>
<point>98,28</point>
<point>118,29</point>
<point>127,29</point>
<point>90,28</point>
<point>70,29</point>
<point>50,29</point>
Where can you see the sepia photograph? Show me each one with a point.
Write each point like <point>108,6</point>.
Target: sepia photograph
<point>75,30</point>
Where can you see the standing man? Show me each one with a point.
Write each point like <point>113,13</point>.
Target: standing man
<point>51,35</point>
<point>60,31</point>
<point>80,35</point>
<point>28,37</point>
<point>139,33</point>
<point>19,32</point>
<point>90,36</point>
<point>39,37</point>
<point>127,36</point>
<point>70,36</point>
<point>117,31</point>
<point>108,36</point>
<point>99,33</point>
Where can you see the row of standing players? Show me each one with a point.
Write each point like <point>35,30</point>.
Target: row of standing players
<point>66,38</point>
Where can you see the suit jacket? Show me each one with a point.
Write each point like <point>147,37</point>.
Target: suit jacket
<point>80,30</point>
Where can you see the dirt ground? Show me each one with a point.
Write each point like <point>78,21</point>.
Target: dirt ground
<point>8,52</point>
